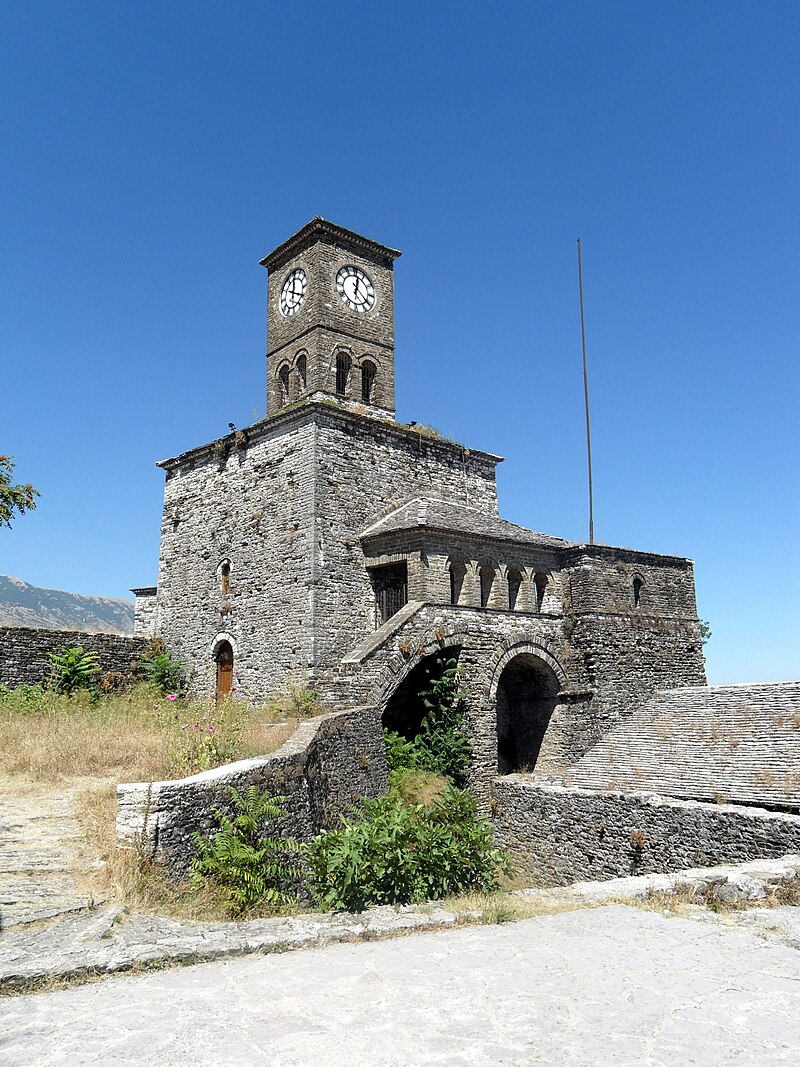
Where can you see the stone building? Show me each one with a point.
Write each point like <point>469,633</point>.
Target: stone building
<point>330,546</point>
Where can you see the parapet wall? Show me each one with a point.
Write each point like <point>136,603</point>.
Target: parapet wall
<point>329,765</point>
<point>23,652</point>
<point>560,835</point>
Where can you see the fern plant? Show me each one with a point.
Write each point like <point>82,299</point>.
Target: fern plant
<point>248,866</point>
<point>72,669</point>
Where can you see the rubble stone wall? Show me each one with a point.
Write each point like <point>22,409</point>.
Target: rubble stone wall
<point>23,652</point>
<point>329,765</point>
<point>559,835</point>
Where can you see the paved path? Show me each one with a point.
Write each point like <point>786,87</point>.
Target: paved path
<point>599,987</point>
<point>42,850</point>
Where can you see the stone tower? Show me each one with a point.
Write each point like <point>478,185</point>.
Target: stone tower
<point>330,321</point>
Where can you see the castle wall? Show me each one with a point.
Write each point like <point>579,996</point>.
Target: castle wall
<point>145,619</point>
<point>559,835</point>
<point>629,651</point>
<point>23,652</point>
<point>252,506</point>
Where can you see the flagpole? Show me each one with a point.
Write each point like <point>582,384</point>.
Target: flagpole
<point>586,399</point>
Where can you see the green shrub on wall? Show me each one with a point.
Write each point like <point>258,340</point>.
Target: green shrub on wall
<point>72,669</point>
<point>161,671</point>
<point>249,866</point>
<point>442,745</point>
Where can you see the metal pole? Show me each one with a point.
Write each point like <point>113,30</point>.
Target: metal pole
<point>586,399</point>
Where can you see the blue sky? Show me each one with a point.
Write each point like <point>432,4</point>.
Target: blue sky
<point>152,154</point>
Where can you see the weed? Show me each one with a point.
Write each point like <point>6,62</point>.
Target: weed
<point>249,867</point>
<point>394,853</point>
<point>72,669</point>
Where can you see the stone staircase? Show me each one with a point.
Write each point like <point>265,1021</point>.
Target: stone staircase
<point>735,744</point>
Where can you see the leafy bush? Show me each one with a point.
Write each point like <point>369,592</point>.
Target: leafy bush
<point>395,853</point>
<point>400,754</point>
<point>249,867</point>
<point>72,669</point>
<point>161,671</point>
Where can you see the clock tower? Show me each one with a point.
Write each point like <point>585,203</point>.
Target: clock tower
<point>330,321</point>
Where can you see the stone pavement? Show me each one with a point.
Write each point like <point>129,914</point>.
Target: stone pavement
<point>110,939</point>
<point>613,986</point>
<point>42,850</point>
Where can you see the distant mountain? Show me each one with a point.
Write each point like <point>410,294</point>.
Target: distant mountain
<point>51,609</point>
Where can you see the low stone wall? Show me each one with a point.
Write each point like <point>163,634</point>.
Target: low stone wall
<point>325,769</point>
<point>560,835</point>
<point>23,650</point>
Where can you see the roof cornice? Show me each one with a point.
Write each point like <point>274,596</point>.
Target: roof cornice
<point>320,228</point>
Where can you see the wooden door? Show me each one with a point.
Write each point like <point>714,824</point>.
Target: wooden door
<point>224,670</point>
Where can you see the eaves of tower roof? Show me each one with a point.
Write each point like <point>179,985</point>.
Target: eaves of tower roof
<point>448,517</point>
<point>319,227</point>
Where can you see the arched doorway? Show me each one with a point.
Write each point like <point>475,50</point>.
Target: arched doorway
<point>224,660</point>
<point>527,694</point>
<point>405,708</point>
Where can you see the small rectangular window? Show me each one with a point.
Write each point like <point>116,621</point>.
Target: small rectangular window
<point>391,590</point>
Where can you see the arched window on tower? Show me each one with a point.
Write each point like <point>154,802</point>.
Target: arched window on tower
<point>487,581</point>
<point>638,582</point>
<point>301,373</point>
<point>283,379</point>
<point>342,373</point>
<point>368,372</point>
<point>225,577</point>
<point>514,582</point>
<point>539,589</point>
<point>457,574</point>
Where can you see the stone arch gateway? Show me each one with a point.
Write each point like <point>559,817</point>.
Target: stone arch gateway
<point>526,698</point>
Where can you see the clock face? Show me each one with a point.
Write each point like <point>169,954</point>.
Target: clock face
<point>355,289</point>
<point>293,292</point>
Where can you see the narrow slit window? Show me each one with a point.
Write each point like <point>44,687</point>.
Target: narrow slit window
<point>487,581</point>
<point>283,377</point>
<point>301,372</point>
<point>457,574</point>
<point>225,578</point>
<point>514,583</point>
<point>637,591</point>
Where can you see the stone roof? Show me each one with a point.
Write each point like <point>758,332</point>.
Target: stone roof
<point>446,516</point>
<point>319,227</point>
<point>736,743</point>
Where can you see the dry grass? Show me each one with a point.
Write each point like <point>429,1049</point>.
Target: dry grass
<point>502,907</point>
<point>416,786</point>
<point>136,735</point>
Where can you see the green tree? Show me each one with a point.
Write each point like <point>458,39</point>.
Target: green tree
<point>13,498</point>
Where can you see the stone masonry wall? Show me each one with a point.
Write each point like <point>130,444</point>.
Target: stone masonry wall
<point>251,506</point>
<point>285,510</point>
<point>145,619</point>
<point>23,652</point>
<point>628,657</point>
<point>365,470</point>
<point>559,835</point>
<point>328,766</point>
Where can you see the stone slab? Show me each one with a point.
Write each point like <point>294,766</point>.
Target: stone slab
<point>608,987</point>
